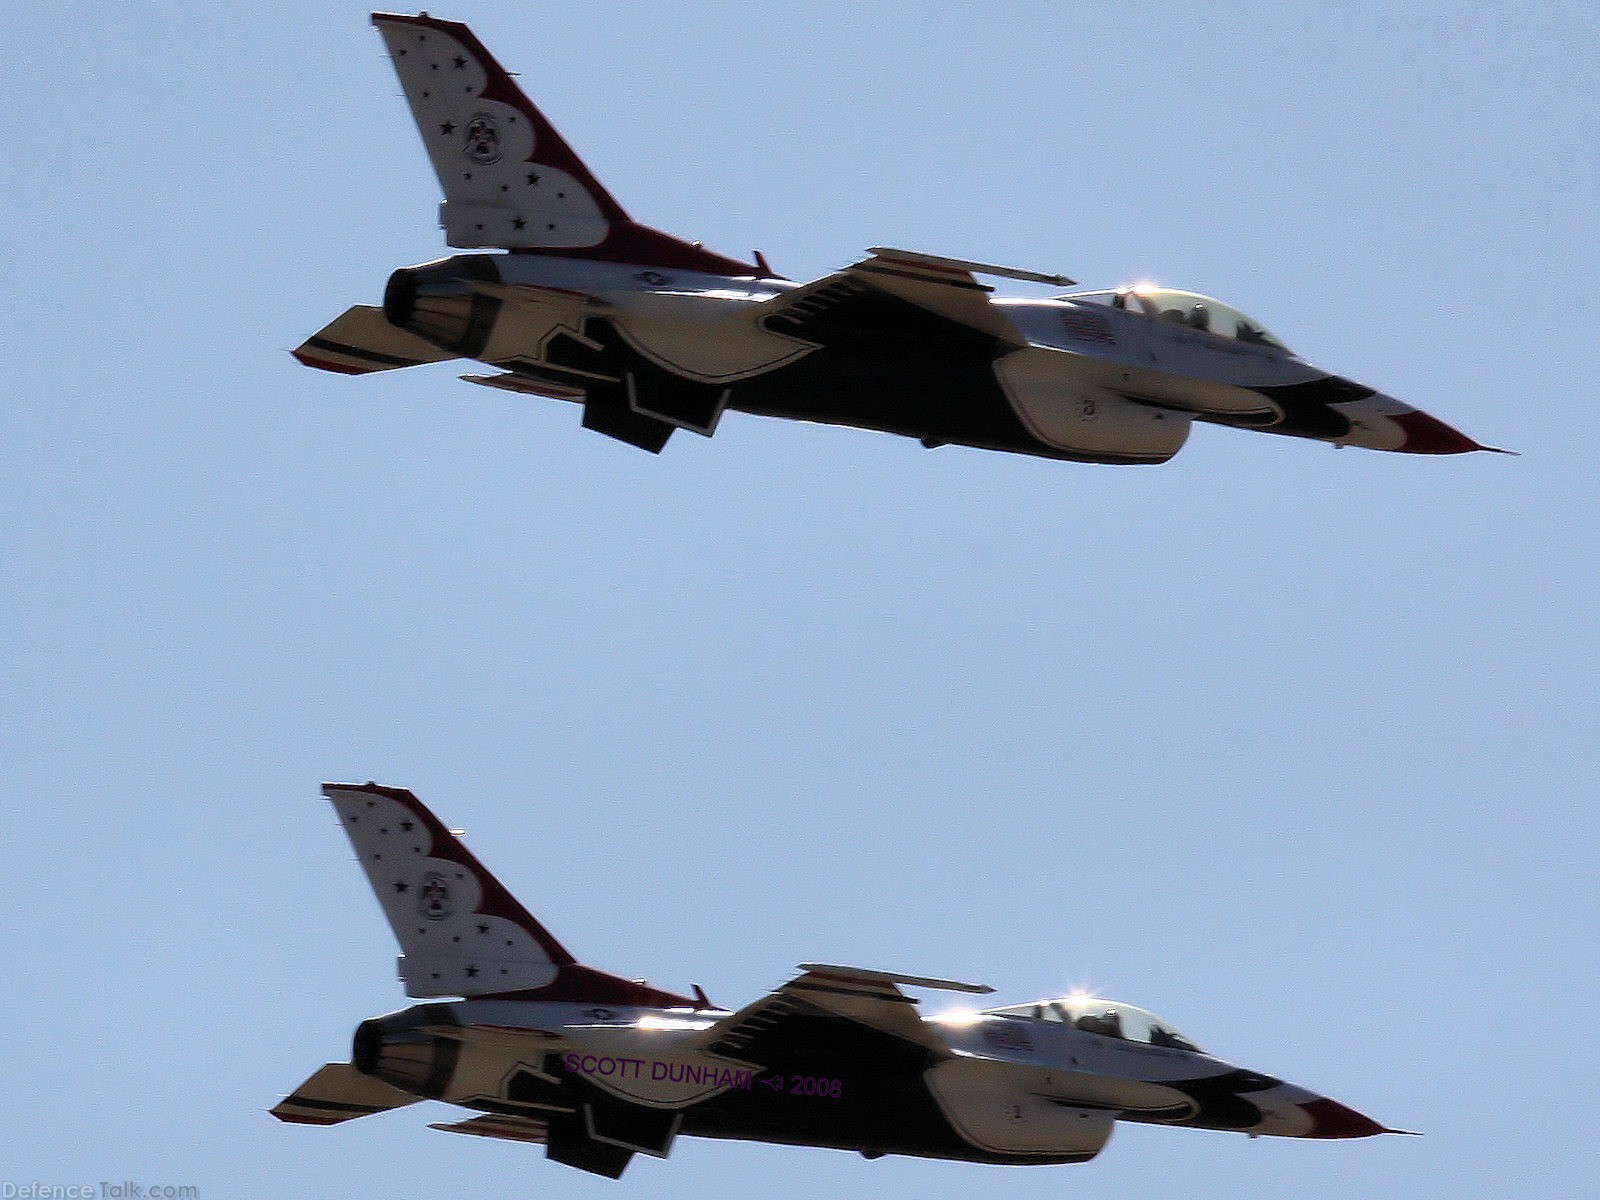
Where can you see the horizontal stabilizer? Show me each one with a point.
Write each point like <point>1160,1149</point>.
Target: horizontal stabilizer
<point>508,1128</point>
<point>522,385</point>
<point>339,1092</point>
<point>362,341</point>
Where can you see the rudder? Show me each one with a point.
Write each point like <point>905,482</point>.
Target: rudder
<point>460,932</point>
<point>510,180</point>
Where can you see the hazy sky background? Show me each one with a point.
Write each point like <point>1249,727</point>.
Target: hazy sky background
<point>1295,747</point>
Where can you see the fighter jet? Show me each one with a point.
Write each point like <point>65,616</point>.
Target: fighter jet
<point>598,1068</point>
<point>651,334</point>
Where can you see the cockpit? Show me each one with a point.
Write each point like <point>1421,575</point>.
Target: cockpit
<point>1107,1018</point>
<point>1189,309</point>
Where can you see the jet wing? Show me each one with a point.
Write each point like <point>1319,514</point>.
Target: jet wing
<point>844,1015</point>
<point>339,1092</point>
<point>945,287</point>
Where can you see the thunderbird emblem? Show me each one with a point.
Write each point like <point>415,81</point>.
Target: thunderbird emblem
<point>435,900</point>
<point>483,140</point>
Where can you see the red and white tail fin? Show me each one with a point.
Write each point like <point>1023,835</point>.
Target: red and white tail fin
<point>460,932</point>
<point>510,180</point>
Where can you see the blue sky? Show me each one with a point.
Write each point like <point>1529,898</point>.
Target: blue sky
<point>1295,747</point>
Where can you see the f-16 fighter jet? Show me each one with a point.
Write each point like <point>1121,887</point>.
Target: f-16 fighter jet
<point>651,334</point>
<point>598,1068</point>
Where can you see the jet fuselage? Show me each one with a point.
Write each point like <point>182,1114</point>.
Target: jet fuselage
<point>1076,376</point>
<point>1010,1089</point>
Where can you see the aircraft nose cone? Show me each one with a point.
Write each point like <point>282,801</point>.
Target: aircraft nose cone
<point>1429,435</point>
<point>1330,1119</point>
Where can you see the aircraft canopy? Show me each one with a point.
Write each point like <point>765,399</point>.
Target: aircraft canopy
<point>1108,1018</point>
<point>1189,309</point>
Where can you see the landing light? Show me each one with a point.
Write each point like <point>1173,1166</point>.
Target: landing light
<point>958,1016</point>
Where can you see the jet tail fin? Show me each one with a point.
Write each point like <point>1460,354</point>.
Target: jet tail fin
<point>461,933</point>
<point>510,180</point>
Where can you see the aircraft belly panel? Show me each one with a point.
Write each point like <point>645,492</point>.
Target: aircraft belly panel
<point>659,1079</point>
<point>954,404</point>
<point>863,1102</point>
<point>887,1114</point>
